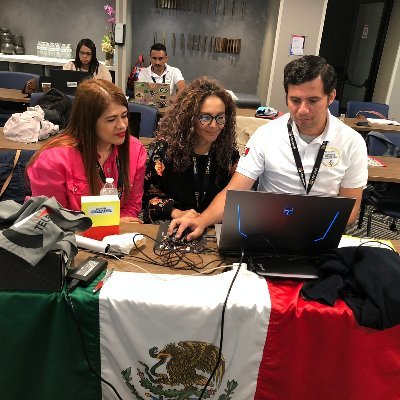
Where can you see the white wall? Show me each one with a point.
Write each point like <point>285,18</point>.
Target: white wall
<point>267,50</point>
<point>387,87</point>
<point>296,17</point>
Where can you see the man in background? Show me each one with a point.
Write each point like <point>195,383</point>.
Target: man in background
<point>160,72</point>
<point>306,151</point>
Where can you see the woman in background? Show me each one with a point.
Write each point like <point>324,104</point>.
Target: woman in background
<point>194,155</point>
<point>95,145</point>
<point>86,60</point>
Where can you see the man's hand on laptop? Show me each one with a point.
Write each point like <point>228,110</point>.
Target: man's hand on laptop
<point>196,225</point>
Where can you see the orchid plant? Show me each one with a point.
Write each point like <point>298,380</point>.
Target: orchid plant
<point>108,42</point>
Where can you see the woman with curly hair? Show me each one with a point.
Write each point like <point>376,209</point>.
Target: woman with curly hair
<point>195,153</point>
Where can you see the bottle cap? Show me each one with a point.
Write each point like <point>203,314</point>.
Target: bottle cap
<point>109,180</point>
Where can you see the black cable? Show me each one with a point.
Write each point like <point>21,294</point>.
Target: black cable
<point>75,318</point>
<point>172,257</point>
<point>73,285</point>
<point>222,325</point>
<point>377,241</point>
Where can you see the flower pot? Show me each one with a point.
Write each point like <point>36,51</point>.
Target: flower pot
<point>109,59</point>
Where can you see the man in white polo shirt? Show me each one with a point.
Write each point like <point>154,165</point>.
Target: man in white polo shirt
<point>306,151</point>
<point>160,72</point>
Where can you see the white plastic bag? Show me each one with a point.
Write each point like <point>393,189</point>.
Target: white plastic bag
<point>29,126</point>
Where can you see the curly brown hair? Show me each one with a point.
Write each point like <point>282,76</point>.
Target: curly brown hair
<point>177,126</point>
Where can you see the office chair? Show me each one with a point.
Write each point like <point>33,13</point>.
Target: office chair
<point>334,108</point>
<point>148,119</point>
<point>12,80</point>
<point>37,95</point>
<point>382,197</point>
<point>362,107</point>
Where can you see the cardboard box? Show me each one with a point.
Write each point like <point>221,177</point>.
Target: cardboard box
<point>104,211</point>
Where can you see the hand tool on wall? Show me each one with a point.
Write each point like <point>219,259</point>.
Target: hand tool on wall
<point>216,6</point>
<point>193,41</point>
<point>205,43</point>
<point>182,41</point>
<point>211,43</point>
<point>225,5</point>
<point>173,44</point>
<point>208,6</point>
<point>233,8</point>
<point>189,41</point>
<point>155,37</point>
<point>201,6</point>
<point>199,43</point>
<point>243,9</point>
<point>163,38</point>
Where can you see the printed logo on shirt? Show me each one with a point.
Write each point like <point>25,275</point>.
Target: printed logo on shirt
<point>331,157</point>
<point>245,152</point>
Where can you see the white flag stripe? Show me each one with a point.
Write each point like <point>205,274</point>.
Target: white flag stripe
<point>139,312</point>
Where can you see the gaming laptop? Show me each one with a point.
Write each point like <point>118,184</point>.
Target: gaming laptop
<point>275,224</point>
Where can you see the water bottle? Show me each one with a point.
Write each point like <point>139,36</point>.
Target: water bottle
<point>109,188</point>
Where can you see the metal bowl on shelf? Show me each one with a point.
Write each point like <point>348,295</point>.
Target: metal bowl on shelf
<point>18,40</point>
<point>19,50</point>
<point>7,48</point>
<point>5,36</point>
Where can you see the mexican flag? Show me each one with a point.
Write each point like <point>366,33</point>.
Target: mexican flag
<point>160,335</point>
<point>157,337</point>
<point>150,336</point>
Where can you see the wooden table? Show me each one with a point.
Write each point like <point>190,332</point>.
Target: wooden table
<point>6,144</point>
<point>390,173</point>
<point>151,230</point>
<point>13,95</point>
<point>372,127</point>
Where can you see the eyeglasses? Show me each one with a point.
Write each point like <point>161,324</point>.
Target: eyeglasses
<point>206,119</point>
<point>84,53</point>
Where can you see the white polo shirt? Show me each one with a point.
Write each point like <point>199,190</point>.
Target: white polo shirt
<point>170,75</point>
<point>269,156</point>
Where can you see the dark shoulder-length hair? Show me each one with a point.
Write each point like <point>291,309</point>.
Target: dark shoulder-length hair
<point>93,96</point>
<point>177,127</point>
<point>94,64</point>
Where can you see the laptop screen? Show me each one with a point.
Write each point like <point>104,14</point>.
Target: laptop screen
<point>152,94</point>
<point>67,81</point>
<point>282,223</point>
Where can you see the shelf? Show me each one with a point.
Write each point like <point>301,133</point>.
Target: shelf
<point>32,59</point>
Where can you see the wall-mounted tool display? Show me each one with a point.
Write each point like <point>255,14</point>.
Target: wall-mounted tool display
<point>198,42</point>
<point>205,43</point>
<point>173,43</point>
<point>201,6</point>
<point>225,45</point>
